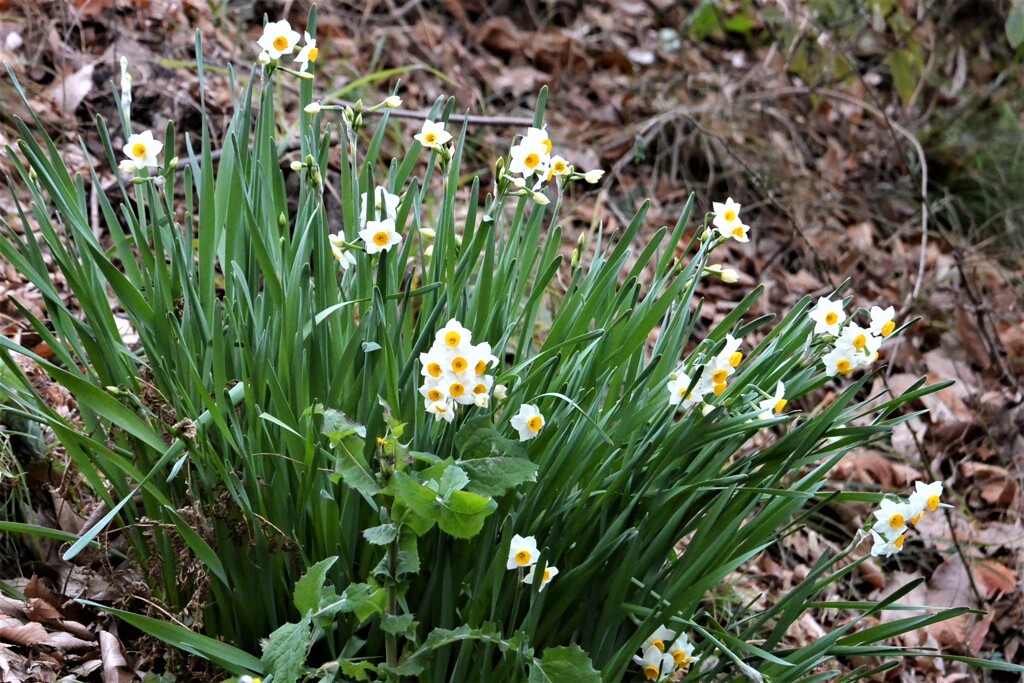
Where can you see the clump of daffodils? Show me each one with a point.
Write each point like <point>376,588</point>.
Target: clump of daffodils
<point>894,517</point>
<point>662,654</point>
<point>523,554</point>
<point>280,39</point>
<point>854,346</point>
<point>707,379</point>
<point>455,371</point>
<point>531,161</point>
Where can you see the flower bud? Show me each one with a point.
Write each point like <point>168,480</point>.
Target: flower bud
<point>428,233</point>
<point>312,108</point>
<point>518,183</point>
<point>593,176</point>
<point>393,102</point>
<point>264,58</point>
<point>126,166</point>
<point>172,164</point>
<point>541,199</point>
<point>500,392</point>
<point>729,275</point>
<point>481,400</point>
<point>306,75</point>
<point>296,166</point>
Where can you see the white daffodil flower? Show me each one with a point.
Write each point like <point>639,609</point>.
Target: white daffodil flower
<point>142,149</point>
<point>731,351</point>
<point>339,248</point>
<point>379,235</point>
<point>727,216</point>
<point>522,552</point>
<point>528,157</point>
<point>892,518</point>
<point>308,53</point>
<point>882,323</point>
<point>550,572</point>
<point>432,135</point>
<point>528,422</point>
<point>840,360</point>
<point>442,410</point>
<point>775,404</point>
<point>594,176</point>
<point>682,652</point>
<point>655,664</point>
<point>385,205</point>
<point>884,547</point>
<point>926,497</point>
<point>278,39</point>
<point>661,637</point>
<point>828,316</point>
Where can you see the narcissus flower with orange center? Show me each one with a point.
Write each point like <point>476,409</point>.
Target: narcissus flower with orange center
<point>892,518</point>
<point>655,664</point>
<point>558,167</point>
<point>528,422</point>
<point>731,351</point>
<point>682,652</point>
<point>142,149</point>
<point>433,135</point>
<point>885,547</point>
<point>453,334</point>
<point>308,53</point>
<point>660,638</point>
<point>719,369</point>
<point>380,235</point>
<point>774,404</point>
<point>841,360</point>
<point>925,498</point>
<point>738,232</point>
<point>727,216</point>
<point>681,389</point>
<point>385,205</point>
<point>882,323</point>
<point>278,39</point>
<point>550,572</point>
<point>339,248</point>
<point>442,410</point>
<point>522,552</point>
<point>528,157</point>
<point>828,316</point>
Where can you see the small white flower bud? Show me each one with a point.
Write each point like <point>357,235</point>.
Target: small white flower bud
<point>706,408</point>
<point>518,183</point>
<point>296,166</point>
<point>481,400</point>
<point>706,236</point>
<point>593,176</point>
<point>429,251</point>
<point>500,392</point>
<point>541,199</point>
<point>126,166</point>
<point>428,233</point>
<point>729,275</point>
<point>264,58</point>
<point>306,75</point>
<point>393,102</point>
<point>312,108</point>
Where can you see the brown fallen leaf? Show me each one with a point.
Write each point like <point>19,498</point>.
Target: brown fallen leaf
<point>115,668</point>
<point>14,632</point>
<point>41,611</point>
<point>994,579</point>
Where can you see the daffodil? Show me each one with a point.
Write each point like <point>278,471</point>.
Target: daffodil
<point>528,422</point>
<point>661,637</point>
<point>278,39</point>
<point>828,316</point>
<point>738,232</point>
<point>892,518</point>
<point>392,101</point>
<point>882,323</point>
<point>308,53</point>
<point>142,149</point>
<point>774,404</point>
<point>727,216</point>
<point>453,335</point>
<point>528,157</point>
<point>926,497</point>
<point>500,392</point>
<point>841,360</point>
<point>522,552</point>
<point>379,235</point>
<point>682,652</point>
<point>683,390</point>
<point>558,167</point>
<point>385,205</point>
<point>339,247</point>
<point>442,410</point>
<point>885,547</point>
<point>719,369</point>
<point>433,135</point>
<point>550,572</point>
<point>731,351</point>
<point>655,664</point>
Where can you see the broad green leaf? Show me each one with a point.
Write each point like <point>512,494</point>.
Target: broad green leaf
<point>309,589</point>
<point>494,476</point>
<point>479,438</point>
<point>284,655</point>
<point>564,665</point>
<point>381,535</point>
<point>395,623</point>
<point>358,671</point>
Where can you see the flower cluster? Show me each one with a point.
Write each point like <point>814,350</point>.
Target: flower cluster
<point>659,659</point>
<point>855,346</point>
<point>455,371</point>
<point>727,221</point>
<point>531,158</point>
<point>709,378</point>
<point>893,517</point>
<point>279,39</point>
<point>523,553</point>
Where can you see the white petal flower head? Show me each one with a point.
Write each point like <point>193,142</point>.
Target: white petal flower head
<point>738,232</point>
<point>857,337</point>
<point>727,214</point>
<point>660,639</point>
<point>680,389</point>
<point>884,547</point>
<point>719,369</point>
<point>380,235</point>
<point>927,496</point>
<point>682,652</point>
<point>557,166</point>
<point>278,39</point>
<point>308,53</point>
<point>433,135</point>
<point>731,351</point>
<point>549,573</point>
<point>775,404</point>
<point>539,136</point>
<point>453,335</point>
<point>500,392</point>
<point>522,552</point>
<point>385,205</point>
<point>882,323</point>
<point>528,422</point>
<point>841,360</point>
<point>655,664</point>
<point>142,149</point>
<point>828,316</point>
<point>342,255</point>
<point>892,518</point>
<point>442,410</point>
<point>529,157</point>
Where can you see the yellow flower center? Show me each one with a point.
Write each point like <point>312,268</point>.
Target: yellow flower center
<point>523,558</point>
<point>780,405</point>
<point>431,138</point>
<point>831,318</point>
<point>459,364</point>
<point>380,238</point>
<point>480,389</point>
<point>738,231</point>
<point>547,145</point>
<point>535,423</point>
<point>899,541</point>
<point>917,518</point>
<point>735,359</point>
<point>680,658</point>
<point>280,43</point>
<point>434,395</point>
<point>887,328</point>
<point>313,54</point>
<point>456,390</point>
<point>531,161</point>
<point>481,367</point>
<point>896,520</point>
<point>844,366</point>
<point>729,216</point>
<point>719,376</point>
<point>719,389</point>
<point>559,167</point>
<point>651,672</point>
<point>860,341</point>
<point>138,150</point>
<point>933,503</point>
<point>660,644</point>
<point>434,370</point>
<point>452,339</point>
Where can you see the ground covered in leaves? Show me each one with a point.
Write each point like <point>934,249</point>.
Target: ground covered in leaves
<point>880,146</point>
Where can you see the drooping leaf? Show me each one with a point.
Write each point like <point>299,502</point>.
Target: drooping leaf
<point>564,665</point>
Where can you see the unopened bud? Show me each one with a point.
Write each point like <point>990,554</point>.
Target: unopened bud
<point>264,58</point>
<point>500,392</point>
<point>126,166</point>
<point>593,176</point>
<point>296,165</point>
<point>312,108</point>
<point>729,275</point>
<point>159,181</point>
<point>428,233</point>
<point>518,183</point>
<point>282,221</point>
<point>481,400</point>
<point>393,102</point>
<point>172,164</point>
<point>306,75</point>
<point>575,260</point>
<point>541,199</point>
